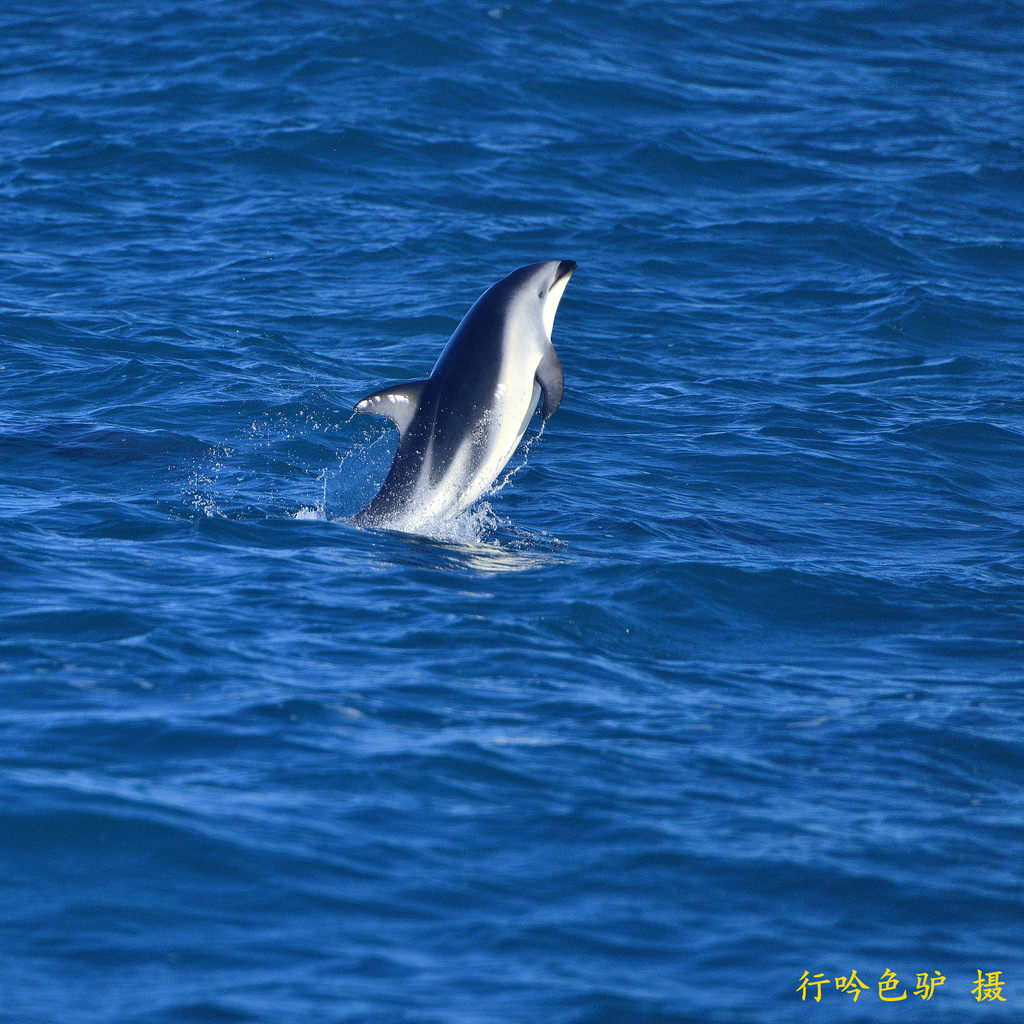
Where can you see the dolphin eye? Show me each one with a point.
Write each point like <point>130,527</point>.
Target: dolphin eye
<point>542,293</point>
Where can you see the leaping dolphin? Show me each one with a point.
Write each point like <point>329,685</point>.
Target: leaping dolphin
<point>459,426</point>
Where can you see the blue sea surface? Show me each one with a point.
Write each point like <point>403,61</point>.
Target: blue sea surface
<point>721,690</point>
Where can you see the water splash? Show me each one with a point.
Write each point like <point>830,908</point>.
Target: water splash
<point>270,468</point>
<point>202,492</point>
<point>473,525</point>
<point>477,539</point>
<point>515,470</point>
<point>476,525</point>
<point>318,511</point>
<point>245,480</point>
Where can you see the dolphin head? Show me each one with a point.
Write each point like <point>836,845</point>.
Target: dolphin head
<point>526,300</point>
<point>551,278</point>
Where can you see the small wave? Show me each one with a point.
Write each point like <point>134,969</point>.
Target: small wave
<point>477,540</point>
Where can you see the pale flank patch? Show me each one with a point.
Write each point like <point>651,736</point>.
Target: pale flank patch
<point>551,303</point>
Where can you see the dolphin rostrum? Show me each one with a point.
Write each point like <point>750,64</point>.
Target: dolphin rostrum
<point>458,428</point>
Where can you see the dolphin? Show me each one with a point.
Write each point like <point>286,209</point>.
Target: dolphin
<point>458,427</point>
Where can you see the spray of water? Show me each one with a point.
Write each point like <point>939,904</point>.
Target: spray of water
<point>329,473</point>
<point>261,472</point>
<point>515,470</point>
<point>201,490</point>
<point>231,482</point>
<point>479,525</point>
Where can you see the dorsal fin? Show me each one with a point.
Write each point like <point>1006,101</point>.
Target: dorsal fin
<point>397,403</point>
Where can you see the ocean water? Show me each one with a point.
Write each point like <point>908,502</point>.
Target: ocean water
<point>722,686</point>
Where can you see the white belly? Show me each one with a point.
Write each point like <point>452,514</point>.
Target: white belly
<point>499,436</point>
